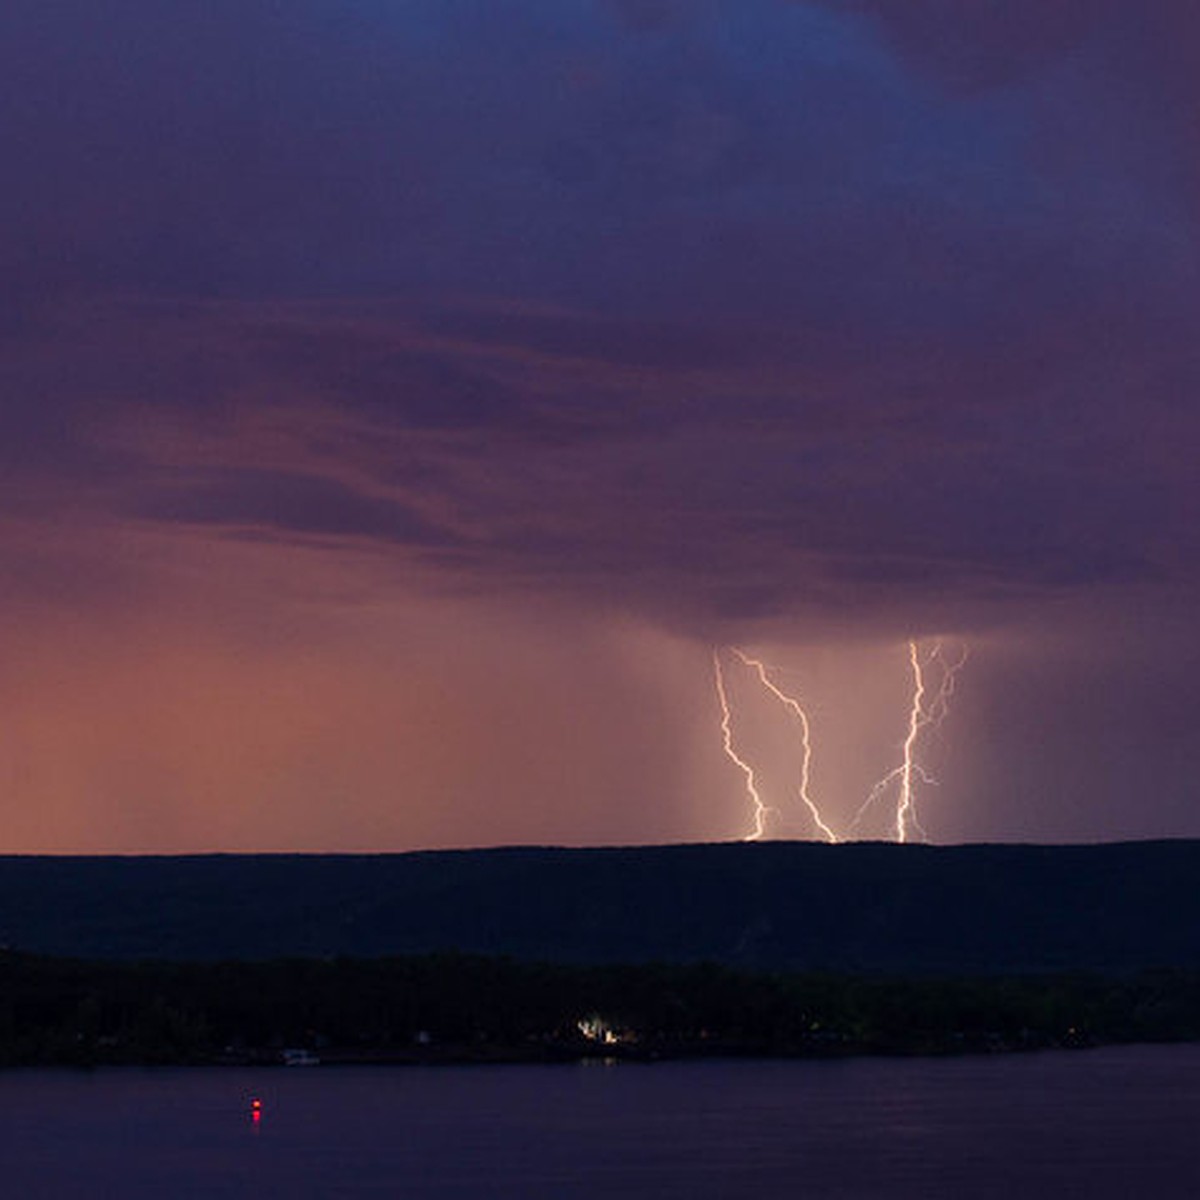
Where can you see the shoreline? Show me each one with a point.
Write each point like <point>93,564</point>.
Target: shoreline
<point>554,1056</point>
<point>460,1010</point>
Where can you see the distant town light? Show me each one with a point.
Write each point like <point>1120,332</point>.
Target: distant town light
<point>599,1030</point>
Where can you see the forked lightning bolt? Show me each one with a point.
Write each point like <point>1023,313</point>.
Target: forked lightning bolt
<point>760,809</point>
<point>920,717</point>
<point>793,706</point>
<point>928,707</point>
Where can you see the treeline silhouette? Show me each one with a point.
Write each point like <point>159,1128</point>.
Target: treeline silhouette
<point>439,1008</point>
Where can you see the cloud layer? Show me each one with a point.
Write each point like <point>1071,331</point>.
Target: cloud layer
<point>768,320</point>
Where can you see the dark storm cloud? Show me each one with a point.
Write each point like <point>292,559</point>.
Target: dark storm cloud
<point>1137,62</point>
<point>648,15</point>
<point>800,482</point>
<point>732,309</point>
<point>981,43</point>
<point>278,500</point>
<point>538,152</point>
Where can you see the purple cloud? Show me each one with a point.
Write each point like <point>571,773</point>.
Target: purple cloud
<point>853,316</point>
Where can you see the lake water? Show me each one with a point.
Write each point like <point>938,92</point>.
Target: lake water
<point>1120,1122</point>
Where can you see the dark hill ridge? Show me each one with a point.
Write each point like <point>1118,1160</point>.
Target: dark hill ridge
<point>858,907</point>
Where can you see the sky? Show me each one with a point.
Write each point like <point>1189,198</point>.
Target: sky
<point>400,403</point>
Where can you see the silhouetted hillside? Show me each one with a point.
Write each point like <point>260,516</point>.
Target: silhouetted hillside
<point>801,906</point>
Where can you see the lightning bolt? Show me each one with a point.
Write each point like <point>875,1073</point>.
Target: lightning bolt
<point>917,719</point>
<point>760,809</point>
<point>921,716</point>
<point>793,706</point>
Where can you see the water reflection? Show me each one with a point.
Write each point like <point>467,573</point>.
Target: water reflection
<point>1102,1124</point>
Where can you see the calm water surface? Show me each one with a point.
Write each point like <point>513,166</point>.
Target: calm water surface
<point>1100,1124</point>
